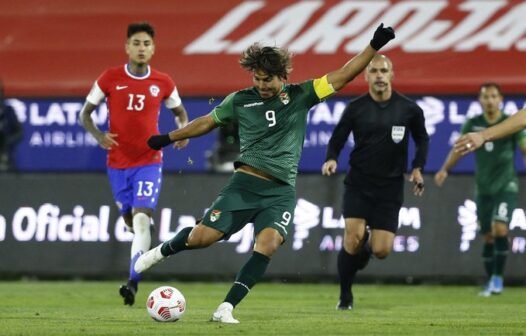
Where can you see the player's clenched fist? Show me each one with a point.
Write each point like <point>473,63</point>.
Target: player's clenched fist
<point>382,35</point>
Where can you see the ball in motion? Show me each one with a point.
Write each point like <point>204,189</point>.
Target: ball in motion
<point>166,304</point>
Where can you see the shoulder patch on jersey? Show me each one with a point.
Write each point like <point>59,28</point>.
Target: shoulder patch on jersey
<point>154,90</point>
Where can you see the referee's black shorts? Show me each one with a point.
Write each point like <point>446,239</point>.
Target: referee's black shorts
<point>376,200</point>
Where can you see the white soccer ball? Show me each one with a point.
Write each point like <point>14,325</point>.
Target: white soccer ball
<point>166,304</point>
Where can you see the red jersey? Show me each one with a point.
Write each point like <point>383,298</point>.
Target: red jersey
<point>134,104</point>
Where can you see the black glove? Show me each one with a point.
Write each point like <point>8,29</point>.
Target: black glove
<point>382,36</point>
<point>159,141</point>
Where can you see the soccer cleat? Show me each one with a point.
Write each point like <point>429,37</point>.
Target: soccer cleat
<point>342,305</point>
<point>223,314</point>
<point>148,259</point>
<point>485,293</point>
<point>488,290</point>
<point>128,293</point>
<point>345,304</point>
<point>496,284</point>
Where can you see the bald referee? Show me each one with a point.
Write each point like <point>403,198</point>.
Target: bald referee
<point>381,122</point>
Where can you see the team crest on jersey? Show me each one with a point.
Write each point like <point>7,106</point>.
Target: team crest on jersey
<point>284,97</point>
<point>397,133</point>
<point>154,90</point>
<point>214,215</point>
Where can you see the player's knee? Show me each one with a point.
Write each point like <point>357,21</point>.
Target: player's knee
<point>141,223</point>
<point>201,237</point>
<point>488,238</point>
<point>268,241</point>
<point>266,248</point>
<point>500,230</point>
<point>381,253</point>
<point>351,243</point>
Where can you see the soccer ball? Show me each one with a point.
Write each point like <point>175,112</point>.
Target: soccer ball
<point>166,304</point>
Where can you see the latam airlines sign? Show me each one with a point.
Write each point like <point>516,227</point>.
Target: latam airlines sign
<point>441,47</point>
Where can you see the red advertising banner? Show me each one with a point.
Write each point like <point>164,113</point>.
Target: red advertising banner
<point>58,48</point>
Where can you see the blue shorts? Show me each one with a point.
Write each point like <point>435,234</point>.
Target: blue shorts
<point>137,187</point>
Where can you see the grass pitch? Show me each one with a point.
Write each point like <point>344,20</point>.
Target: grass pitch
<point>94,308</point>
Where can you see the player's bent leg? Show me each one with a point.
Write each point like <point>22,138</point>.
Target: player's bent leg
<point>203,236</point>
<point>354,234</point>
<point>382,243</point>
<point>188,238</point>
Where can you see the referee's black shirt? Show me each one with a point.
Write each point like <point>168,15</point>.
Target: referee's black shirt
<point>381,138</point>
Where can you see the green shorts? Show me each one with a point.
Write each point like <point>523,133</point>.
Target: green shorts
<point>495,208</point>
<point>250,199</point>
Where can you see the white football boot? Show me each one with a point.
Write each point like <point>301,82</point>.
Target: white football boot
<point>223,314</point>
<point>148,259</point>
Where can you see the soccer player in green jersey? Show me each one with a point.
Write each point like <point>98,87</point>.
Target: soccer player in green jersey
<point>272,118</point>
<point>496,183</point>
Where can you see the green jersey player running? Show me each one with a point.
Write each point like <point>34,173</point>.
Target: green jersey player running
<point>496,184</point>
<point>272,118</point>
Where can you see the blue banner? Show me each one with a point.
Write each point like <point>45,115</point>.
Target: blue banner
<point>54,140</point>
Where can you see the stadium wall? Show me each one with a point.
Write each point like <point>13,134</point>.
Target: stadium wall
<point>66,225</point>
<point>59,47</point>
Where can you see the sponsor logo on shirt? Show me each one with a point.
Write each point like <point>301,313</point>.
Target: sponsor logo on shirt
<point>121,87</point>
<point>397,133</point>
<point>253,104</point>
<point>154,90</point>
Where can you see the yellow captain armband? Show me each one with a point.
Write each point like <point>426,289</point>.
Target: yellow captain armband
<point>323,88</point>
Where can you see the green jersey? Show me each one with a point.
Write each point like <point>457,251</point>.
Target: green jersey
<point>495,167</point>
<point>271,131</point>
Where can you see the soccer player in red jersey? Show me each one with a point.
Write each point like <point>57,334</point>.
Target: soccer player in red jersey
<point>134,93</point>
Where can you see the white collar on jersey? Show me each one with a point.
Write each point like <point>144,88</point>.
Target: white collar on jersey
<point>128,72</point>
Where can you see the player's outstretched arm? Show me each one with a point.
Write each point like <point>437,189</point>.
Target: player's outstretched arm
<point>195,128</point>
<point>352,68</point>
<point>471,141</point>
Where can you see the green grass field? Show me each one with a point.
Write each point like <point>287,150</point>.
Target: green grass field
<point>94,308</point>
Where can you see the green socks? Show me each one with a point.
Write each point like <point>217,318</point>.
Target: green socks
<point>500,255</point>
<point>247,277</point>
<point>487,257</point>
<point>177,243</point>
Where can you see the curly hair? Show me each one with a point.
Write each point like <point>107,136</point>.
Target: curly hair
<point>272,60</point>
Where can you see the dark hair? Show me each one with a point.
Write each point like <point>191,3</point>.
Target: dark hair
<point>491,85</point>
<point>137,27</point>
<point>272,60</point>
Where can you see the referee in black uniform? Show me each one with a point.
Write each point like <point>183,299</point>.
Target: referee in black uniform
<point>381,121</point>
